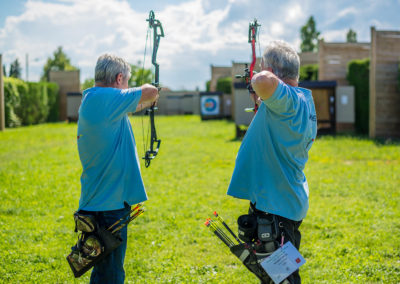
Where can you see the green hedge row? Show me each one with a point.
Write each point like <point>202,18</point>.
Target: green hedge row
<point>358,76</point>
<point>308,72</point>
<point>29,103</point>
<point>224,85</point>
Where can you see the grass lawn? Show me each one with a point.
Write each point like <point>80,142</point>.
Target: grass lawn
<point>351,233</point>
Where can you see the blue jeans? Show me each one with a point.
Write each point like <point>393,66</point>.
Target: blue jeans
<point>111,268</point>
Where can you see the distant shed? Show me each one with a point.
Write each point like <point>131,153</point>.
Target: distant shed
<point>384,80</point>
<point>323,93</point>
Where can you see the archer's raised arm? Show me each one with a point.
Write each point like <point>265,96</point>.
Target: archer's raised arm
<point>264,84</point>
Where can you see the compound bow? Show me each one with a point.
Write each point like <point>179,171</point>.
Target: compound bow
<point>158,32</point>
<point>248,73</point>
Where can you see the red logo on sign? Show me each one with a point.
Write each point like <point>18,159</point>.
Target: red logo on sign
<point>298,260</point>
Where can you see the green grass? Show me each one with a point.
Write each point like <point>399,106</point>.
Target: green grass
<point>351,233</point>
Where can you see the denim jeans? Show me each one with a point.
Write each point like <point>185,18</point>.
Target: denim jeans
<point>111,269</point>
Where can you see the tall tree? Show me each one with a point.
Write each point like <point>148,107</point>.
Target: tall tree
<point>4,71</point>
<point>140,75</point>
<point>15,69</point>
<point>88,83</point>
<point>59,62</point>
<point>309,36</point>
<point>351,36</point>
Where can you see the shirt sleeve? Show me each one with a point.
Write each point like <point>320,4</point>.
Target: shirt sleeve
<point>283,101</point>
<point>124,101</point>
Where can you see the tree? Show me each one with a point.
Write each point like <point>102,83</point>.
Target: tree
<point>4,71</point>
<point>224,85</point>
<point>59,62</point>
<point>309,36</point>
<point>351,36</point>
<point>140,75</point>
<point>358,76</point>
<point>309,72</point>
<point>88,83</point>
<point>15,69</point>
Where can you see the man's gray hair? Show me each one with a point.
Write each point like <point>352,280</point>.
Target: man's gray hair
<point>108,66</point>
<point>283,59</point>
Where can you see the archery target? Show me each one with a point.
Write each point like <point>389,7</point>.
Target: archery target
<point>210,105</point>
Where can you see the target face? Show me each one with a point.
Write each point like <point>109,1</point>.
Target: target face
<point>210,105</point>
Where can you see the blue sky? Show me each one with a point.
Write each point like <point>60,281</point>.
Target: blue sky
<point>198,32</point>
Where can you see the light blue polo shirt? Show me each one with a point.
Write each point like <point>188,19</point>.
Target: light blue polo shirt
<point>271,159</point>
<point>107,150</point>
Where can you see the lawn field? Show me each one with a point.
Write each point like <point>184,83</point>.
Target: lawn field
<point>351,233</point>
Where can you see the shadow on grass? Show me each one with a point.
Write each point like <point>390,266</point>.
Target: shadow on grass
<point>380,141</point>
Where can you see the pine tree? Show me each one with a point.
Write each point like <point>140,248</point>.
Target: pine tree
<point>351,36</point>
<point>15,69</point>
<point>59,62</point>
<point>309,36</point>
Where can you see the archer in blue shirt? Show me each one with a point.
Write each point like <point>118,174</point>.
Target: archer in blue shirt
<point>110,165</point>
<point>269,169</point>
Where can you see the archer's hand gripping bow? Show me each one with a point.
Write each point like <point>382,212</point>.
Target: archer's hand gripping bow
<point>158,32</point>
<point>248,73</point>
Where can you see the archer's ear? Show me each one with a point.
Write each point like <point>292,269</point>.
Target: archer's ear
<point>119,78</point>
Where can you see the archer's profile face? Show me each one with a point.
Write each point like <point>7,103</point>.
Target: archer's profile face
<point>125,83</point>
<point>121,82</point>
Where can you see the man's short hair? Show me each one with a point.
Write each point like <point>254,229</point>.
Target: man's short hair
<point>283,59</point>
<point>108,66</point>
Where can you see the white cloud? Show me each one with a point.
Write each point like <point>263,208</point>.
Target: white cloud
<point>335,35</point>
<point>348,11</point>
<point>197,32</point>
<point>85,29</point>
<point>89,28</point>
<point>294,13</point>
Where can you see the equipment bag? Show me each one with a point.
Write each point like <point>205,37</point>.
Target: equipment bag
<point>93,245</point>
<point>247,227</point>
<point>260,233</point>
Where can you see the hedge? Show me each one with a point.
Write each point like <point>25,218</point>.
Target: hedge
<point>12,100</point>
<point>53,102</point>
<point>208,84</point>
<point>29,103</point>
<point>224,85</point>
<point>309,72</point>
<point>358,76</point>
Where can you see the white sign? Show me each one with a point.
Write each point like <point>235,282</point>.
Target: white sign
<point>344,99</point>
<point>283,262</point>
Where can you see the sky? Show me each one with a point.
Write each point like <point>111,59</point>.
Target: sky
<point>198,33</point>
